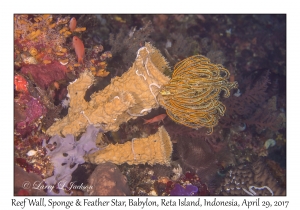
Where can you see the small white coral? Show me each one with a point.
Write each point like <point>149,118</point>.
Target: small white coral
<point>65,103</point>
<point>31,153</point>
<point>177,172</point>
<point>269,143</point>
<point>238,93</point>
<point>168,44</point>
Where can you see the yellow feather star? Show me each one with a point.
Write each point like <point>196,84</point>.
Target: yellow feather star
<point>191,97</point>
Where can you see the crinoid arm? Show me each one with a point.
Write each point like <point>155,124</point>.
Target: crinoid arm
<point>192,95</point>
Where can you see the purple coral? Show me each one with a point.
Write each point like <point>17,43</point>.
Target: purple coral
<point>179,190</point>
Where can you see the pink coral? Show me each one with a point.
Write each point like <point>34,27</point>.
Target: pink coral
<point>33,110</point>
<point>44,75</point>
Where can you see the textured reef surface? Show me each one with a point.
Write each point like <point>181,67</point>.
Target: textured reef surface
<point>184,104</point>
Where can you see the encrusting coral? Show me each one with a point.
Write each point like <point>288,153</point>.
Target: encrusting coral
<point>129,96</point>
<point>252,179</point>
<point>155,149</point>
